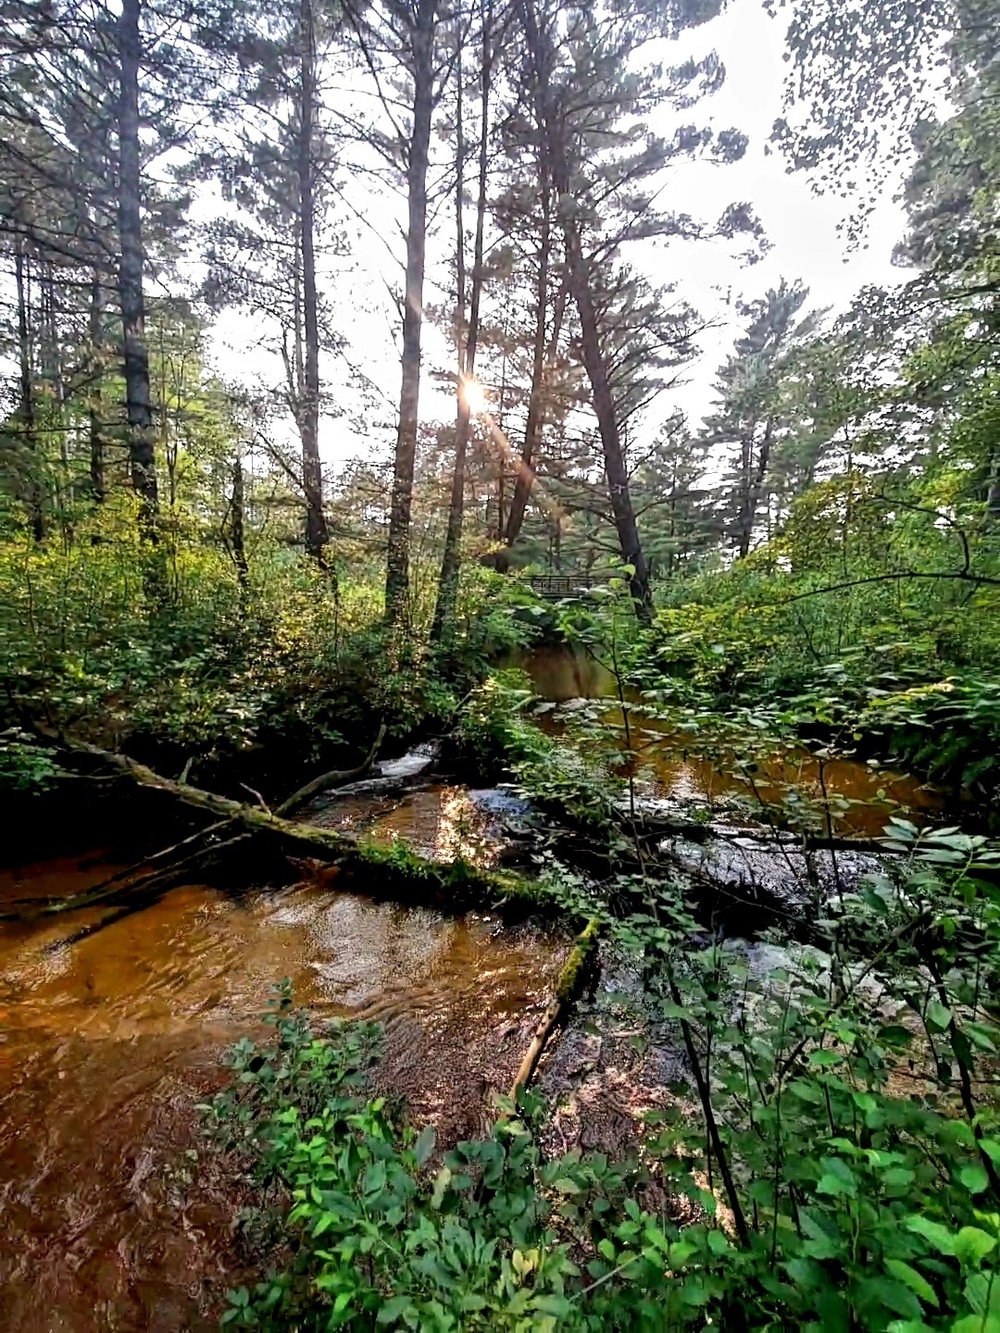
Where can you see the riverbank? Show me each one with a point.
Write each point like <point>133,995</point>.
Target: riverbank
<point>115,1027</point>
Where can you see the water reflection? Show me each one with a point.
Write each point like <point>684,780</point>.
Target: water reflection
<point>684,767</point>
<point>442,822</point>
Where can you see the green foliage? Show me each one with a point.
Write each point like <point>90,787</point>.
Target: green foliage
<point>25,765</point>
<point>213,667</point>
<point>495,733</point>
<point>386,1232</point>
<point>856,1143</point>
<point>838,1149</point>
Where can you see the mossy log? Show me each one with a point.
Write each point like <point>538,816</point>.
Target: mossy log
<point>567,989</point>
<point>454,884</point>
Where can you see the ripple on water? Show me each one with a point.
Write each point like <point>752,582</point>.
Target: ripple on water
<point>108,1041</point>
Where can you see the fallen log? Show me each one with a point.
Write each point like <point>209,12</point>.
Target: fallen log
<point>567,989</point>
<point>459,883</point>
<point>652,826</point>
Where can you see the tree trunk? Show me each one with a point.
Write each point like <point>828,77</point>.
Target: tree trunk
<point>238,529</point>
<point>29,461</point>
<point>95,396</point>
<point>141,452</point>
<point>578,280</point>
<point>754,487</point>
<point>397,579</point>
<point>607,422</point>
<point>317,535</point>
<point>525,477</point>
<point>444,611</point>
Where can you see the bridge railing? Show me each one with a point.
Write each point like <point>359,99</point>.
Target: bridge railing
<point>553,587</point>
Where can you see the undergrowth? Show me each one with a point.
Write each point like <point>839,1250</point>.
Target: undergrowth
<point>830,1161</point>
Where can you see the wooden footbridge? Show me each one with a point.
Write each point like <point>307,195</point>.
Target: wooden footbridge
<point>556,587</point>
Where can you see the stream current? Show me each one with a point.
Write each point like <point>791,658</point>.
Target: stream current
<point>110,1034</point>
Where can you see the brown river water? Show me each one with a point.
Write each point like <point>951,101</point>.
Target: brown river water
<point>112,1027</point>
<point>861,797</point>
<point>108,1042</point>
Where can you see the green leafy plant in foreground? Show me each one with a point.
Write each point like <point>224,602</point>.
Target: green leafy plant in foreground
<point>831,1164</point>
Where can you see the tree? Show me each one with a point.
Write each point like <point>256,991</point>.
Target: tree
<point>276,159</point>
<point>750,413</point>
<point>95,99</point>
<point>589,87</point>
<point>466,332</point>
<point>138,402</point>
<point>672,498</point>
<point>404,37</point>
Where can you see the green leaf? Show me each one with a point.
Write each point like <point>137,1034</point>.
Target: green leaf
<point>974,1178</point>
<point>441,1183</point>
<point>977,1323</point>
<point>718,1243</point>
<point>393,1309</point>
<point>914,1280</point>
<point>424,1145</point>
<point>939,1237</point>
<point>972,1245</point>
<point>566,1186</point>
<point>837,1178</point>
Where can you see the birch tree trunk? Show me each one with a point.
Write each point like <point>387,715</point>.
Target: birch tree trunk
<point>29,461</point>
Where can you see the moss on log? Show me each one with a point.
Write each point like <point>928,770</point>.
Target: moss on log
<point>454,884</point>
<point>567,989</point>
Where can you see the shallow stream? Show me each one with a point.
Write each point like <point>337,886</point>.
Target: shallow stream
<point>111,1031</point>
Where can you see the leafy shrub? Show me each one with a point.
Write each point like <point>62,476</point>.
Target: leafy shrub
<point>842,1172</point>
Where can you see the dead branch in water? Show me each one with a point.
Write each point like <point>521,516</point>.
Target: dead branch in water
<point>567,989</point>
<point>335,778</point>
<point>142,876</point>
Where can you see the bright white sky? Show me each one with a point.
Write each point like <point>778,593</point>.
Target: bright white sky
<point>801,226</point>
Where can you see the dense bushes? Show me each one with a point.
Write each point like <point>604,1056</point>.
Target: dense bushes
<point>167,647</point>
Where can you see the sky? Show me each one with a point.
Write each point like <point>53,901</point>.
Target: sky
<point>801,226</point>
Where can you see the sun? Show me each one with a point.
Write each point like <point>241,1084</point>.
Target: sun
<point>475,397</point>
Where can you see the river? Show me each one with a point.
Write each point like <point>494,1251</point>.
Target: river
<point>112,1026</point>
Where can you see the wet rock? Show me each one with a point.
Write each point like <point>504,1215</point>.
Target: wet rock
<point>498,802</point>
<point>771,875</point>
